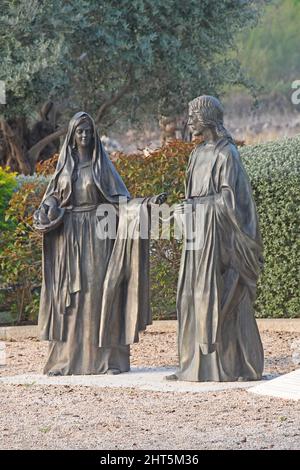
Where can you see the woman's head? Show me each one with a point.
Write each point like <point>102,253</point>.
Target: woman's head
<point>82,139</point>
<point>83,133</point>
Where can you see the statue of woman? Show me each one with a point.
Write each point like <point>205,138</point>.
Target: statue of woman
<point>95,290</point>
<point>218,338</point>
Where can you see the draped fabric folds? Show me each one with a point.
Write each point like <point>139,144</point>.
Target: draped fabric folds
<point>218,337</point>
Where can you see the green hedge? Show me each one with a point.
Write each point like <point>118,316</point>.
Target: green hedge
<point>273,169</point>
<point>7,185</point>
<point>20,252</point>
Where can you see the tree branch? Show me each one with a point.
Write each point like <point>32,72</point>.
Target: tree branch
<point>113,100</point>
<point>15,152</point>
<point>34,152</point>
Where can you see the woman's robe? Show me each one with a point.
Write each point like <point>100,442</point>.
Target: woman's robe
<point>95,291</point>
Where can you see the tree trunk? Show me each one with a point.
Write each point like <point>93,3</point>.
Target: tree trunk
<point>34,152</point>
<point>14,135</point>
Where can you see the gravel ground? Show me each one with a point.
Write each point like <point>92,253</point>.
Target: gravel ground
<point>76,417</point>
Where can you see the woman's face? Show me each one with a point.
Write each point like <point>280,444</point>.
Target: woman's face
<point>83,134</point>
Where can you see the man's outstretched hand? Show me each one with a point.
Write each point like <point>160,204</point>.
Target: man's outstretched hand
<point>159,199</point>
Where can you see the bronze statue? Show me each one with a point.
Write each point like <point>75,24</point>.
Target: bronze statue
<point>95,291</point>
<point>218,338</point>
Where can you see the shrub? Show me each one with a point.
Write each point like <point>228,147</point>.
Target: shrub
<point>7,186</point>
<point>20,251</point>
<point>162,171</point>
<point>274,171</point>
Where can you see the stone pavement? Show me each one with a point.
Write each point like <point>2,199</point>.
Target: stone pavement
<point>143,378</point>
<point>286,386</point>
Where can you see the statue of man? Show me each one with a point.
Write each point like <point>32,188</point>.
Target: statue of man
<point>218,337</point>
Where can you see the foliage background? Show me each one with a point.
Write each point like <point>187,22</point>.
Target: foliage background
<point>270,51</point>
<point>165,48</point>
<point>7,186</point>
